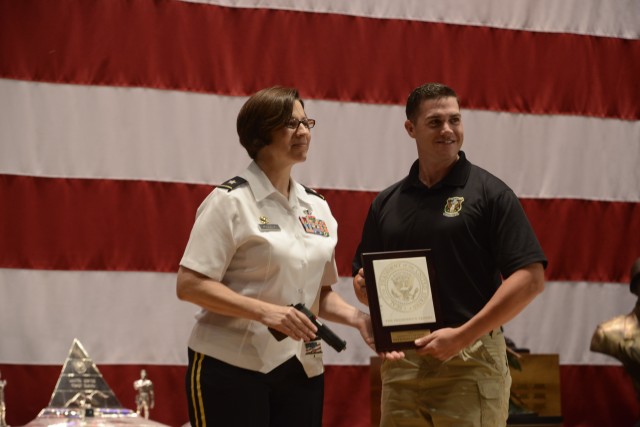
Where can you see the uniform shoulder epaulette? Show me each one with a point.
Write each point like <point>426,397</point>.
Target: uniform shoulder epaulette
<point>312,191</point>
<point>233,183</point>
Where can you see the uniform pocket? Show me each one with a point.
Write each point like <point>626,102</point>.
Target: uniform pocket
<point>493,410</point>
<point>479,354</point>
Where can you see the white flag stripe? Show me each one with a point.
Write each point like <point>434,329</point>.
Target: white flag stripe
<point>73,131</point>
<point>140,312</point>
<point>563,318</point>
<point>124,318</point>
<point>617,18</point>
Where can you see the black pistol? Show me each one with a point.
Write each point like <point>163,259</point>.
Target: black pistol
<point>324,333</point>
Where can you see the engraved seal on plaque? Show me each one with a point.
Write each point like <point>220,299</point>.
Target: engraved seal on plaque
<point>403,286</point>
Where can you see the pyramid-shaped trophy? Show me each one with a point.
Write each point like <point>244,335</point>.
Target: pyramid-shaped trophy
<point>81,384</point>
<point>82,394</point>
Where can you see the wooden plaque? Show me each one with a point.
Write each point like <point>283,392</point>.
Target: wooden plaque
<point>402,296</point>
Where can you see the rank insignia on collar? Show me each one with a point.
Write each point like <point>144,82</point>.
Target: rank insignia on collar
<point>453,206</point>
<point>312,191</point>
<point>233,183</point>
<point>313,225</point>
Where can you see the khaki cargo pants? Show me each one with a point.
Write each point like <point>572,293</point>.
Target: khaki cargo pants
<point>469,390</point>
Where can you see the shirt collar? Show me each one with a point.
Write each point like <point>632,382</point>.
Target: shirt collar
<point>457,177</point>
<point>262,187</point>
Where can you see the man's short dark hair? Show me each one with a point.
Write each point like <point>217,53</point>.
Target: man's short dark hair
<point>264,112</point>
<point>426,92</point>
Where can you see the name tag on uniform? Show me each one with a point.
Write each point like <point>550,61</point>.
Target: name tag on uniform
<point>269,227</point>
<point>265,226</point>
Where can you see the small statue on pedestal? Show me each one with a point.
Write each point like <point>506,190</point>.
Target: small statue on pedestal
<point>145,398</point>
<point>3,407</point>
<point>620,337</point>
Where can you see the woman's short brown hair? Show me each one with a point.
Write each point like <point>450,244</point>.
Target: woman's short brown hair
<point>264,112</point>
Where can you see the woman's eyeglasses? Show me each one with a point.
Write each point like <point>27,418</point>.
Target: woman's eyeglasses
<point>294,123</point>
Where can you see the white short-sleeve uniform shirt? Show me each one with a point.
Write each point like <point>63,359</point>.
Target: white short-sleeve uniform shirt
<point>259,244</point>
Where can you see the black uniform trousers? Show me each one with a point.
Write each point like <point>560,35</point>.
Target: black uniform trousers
<point>220,394</point>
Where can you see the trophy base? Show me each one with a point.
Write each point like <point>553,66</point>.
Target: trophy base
<point>90,417</point>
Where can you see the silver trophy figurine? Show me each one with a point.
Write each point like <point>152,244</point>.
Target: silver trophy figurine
<point>3,407</point>
<point>145,398</point>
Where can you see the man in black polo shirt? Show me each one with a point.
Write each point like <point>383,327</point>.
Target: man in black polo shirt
<point>488,263</point>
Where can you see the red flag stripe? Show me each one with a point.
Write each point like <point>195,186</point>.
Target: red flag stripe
<point>595,408</point>
<point>206,48</point>
<point>144,226</point>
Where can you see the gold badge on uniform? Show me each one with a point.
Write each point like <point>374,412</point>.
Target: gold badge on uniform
<point>453,206</point>
<point>313,225</point>
<point>265,226</point>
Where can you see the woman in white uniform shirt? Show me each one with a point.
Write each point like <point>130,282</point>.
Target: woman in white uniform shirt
<point>260,243</point>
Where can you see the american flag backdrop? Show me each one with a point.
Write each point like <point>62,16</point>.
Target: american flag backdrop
<point>117,118</point>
